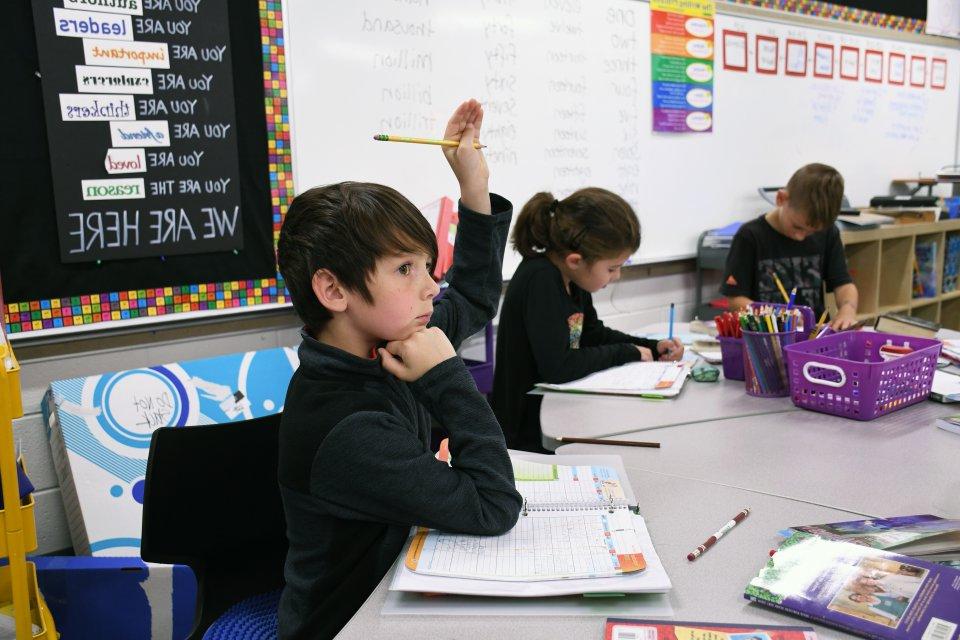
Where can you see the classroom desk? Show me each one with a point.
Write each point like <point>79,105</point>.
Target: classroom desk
<point>680,513</point>
<point>598,416</point>
<point>584,416</point>
<point>898,464</point>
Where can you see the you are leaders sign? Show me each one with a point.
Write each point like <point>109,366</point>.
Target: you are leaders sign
<point>139,104</point>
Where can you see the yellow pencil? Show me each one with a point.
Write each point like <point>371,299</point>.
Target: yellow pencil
<point>816,329</point>
<point>783,291</point>
<point>443,143</point>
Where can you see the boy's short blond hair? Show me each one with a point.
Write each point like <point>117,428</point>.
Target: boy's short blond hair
<point>816,190</point>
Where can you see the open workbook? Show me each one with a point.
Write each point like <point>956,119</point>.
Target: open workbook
<point>648,379</point>
<point>578,533</point>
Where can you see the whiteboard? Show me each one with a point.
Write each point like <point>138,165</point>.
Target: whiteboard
<point>566,89</point>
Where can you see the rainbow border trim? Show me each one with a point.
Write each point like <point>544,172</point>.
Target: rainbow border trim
<point>97,308</point>
<point>838,12</point>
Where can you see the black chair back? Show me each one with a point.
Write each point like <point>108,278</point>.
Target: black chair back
<point>212,502</point>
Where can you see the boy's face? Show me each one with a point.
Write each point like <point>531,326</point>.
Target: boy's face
<point>794,223</point>
<point>593,276</point>
<point>402,288</point>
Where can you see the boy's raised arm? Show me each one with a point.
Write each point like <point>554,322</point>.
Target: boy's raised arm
<point>476,277</point>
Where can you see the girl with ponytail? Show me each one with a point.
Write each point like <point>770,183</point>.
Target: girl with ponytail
<point>549,330</point>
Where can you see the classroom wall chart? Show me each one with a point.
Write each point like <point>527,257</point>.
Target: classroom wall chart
<point>681,64</point>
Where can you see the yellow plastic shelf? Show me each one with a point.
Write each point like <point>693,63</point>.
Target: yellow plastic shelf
<point>29,528</point>
<point>12,377</point>
<point>39,613</point>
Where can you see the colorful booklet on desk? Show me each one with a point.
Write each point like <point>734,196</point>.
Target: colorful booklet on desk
<point>931,537</point>
<point>578,534</point>
<point>626,629</point>
<point>865,591</point>
<point>647,379</point>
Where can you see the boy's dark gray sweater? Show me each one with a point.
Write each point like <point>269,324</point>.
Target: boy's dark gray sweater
<point>356,469</point>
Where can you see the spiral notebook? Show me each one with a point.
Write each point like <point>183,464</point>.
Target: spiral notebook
<point>578,532</point>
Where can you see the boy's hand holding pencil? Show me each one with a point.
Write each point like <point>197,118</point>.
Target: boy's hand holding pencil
<point>467,162</point>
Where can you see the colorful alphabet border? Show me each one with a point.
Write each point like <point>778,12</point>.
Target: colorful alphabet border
<point>840,13</point>
<point>100,308</point>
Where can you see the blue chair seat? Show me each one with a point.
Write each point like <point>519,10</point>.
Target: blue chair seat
<point>252,619</point>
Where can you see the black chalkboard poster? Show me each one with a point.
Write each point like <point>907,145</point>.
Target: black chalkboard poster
<point>42,292</point>
<point>141,93</point>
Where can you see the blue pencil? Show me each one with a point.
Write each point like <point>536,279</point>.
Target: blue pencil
<point>670,334</point>
<point>793,296</point>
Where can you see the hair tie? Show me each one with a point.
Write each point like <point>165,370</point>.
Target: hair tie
<point>553,207</point>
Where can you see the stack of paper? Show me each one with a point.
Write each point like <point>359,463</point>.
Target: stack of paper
<point>951,350</point>
<point>648,379</point>
<point>945,388</point>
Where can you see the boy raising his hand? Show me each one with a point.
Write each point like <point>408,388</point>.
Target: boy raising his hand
<point>376,362</point>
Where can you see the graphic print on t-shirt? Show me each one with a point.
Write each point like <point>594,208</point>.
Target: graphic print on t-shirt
<point>575,322</point>
<point>802,272</point>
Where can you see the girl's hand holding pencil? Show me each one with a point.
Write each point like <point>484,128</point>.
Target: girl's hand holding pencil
<point>670,349</point>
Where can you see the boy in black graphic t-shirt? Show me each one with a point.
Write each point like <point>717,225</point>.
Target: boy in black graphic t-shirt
<point>799,242</point>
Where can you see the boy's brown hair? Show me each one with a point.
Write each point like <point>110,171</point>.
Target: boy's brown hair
<point>345,228</point>
<point>817,191</point>
<point>596,223</point>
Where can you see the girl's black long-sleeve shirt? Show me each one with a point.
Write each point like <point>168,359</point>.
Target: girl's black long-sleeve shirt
<point>548,335</point>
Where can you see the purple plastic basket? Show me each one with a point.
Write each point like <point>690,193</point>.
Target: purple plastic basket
<point>732,351</point>
<point>843,374</point>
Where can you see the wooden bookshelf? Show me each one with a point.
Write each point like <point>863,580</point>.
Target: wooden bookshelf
<point>881,264</point>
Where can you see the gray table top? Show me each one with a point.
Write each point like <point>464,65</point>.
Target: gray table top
<point>723,451</point>
<point>898,464</point>
<point>593,416</point>
<point>680,513</point>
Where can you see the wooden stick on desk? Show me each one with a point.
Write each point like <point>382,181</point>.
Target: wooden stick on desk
<point>619,443</point>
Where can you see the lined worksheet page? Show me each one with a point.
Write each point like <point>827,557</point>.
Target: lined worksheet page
<point>542,546</point>
<point>547,485</point>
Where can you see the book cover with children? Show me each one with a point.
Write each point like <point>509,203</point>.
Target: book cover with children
<point>866,591</point>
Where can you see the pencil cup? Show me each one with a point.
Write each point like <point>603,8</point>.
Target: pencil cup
<point>731,349</point>
<point>765,363</point>
<point>809,319</point>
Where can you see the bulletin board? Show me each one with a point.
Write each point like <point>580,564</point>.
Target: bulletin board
<point>48,294</point>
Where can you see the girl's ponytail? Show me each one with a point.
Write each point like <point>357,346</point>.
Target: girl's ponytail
<point>532,232</point>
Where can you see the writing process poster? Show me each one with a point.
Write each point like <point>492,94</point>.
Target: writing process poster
<point>681,62</point>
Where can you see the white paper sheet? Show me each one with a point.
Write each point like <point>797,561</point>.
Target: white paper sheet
<point>653,579</point>
<point>635,605</point>
<point>637,378</point>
